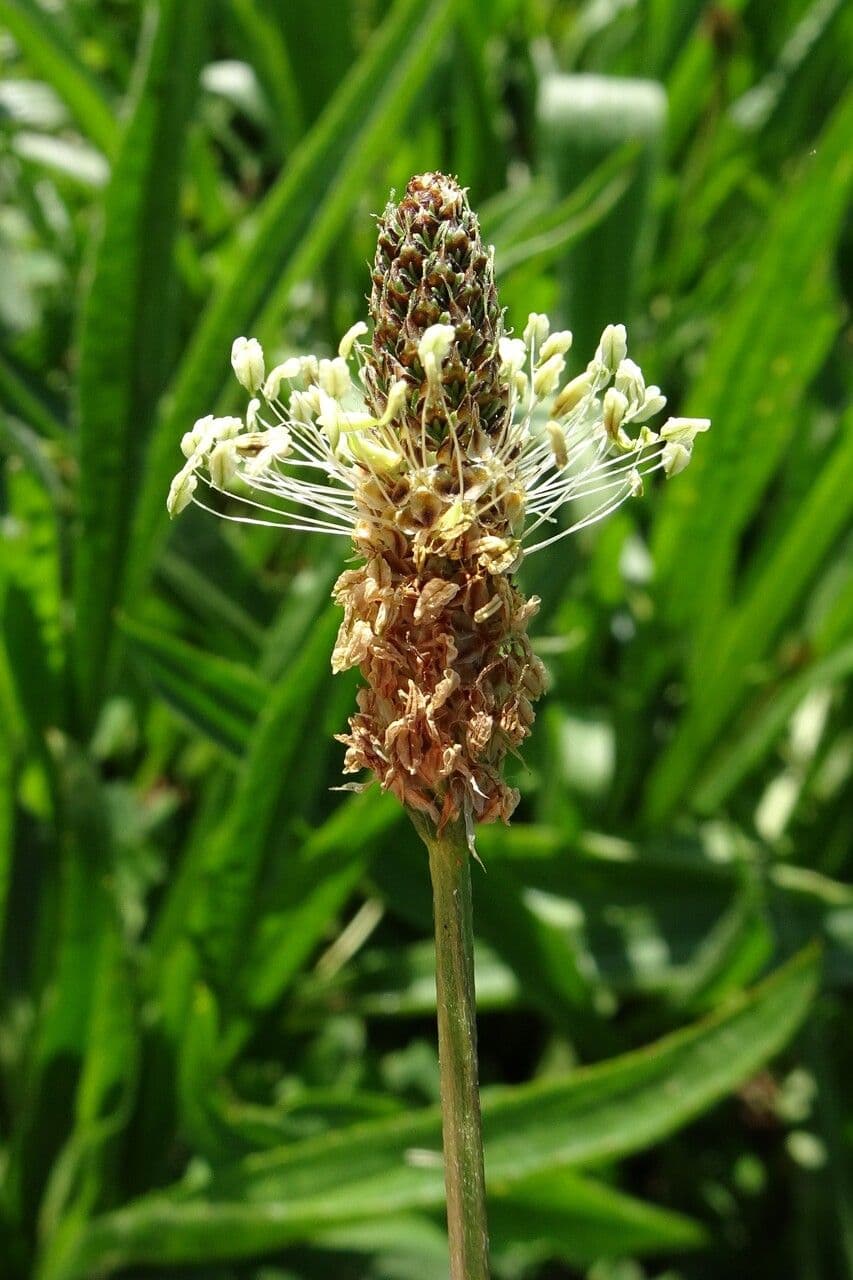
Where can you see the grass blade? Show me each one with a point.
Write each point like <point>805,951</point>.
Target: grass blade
<point>271,59</point>
<point>585,119</point>
<point>789,302</point>
<point>321,876</point>
<point>26,403</point>
<point>561,1215</point>
<point>45,48</point>
<point>749,628</point>
<point>223,902</point>
<point>126,327</point>
<point>734,762</point>
<point>67,1074</point>
<point>7,820</point>
<point>216,697</point>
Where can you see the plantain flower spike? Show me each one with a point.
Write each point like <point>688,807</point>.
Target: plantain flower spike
<point>446,450</point>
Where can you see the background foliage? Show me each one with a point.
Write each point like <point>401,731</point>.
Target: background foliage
<point>217,1045</point>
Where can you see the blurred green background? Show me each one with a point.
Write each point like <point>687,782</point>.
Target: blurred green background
<point>217,1054</point>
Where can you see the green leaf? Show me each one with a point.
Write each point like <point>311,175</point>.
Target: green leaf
<point>79,1065</point>
<point>541,952</point>
<point>558,1214</point>
<point>755,108</point>
<point>7,825</point>
<point>552,1215</point>
<point>733,762</point>
<point>34,561</point>
<point>748,629</point>
<point>45,48</point>
<point>671,919</point>
<point>770,344</point>
<point>208,602</point>
<point>35,683</point>
<point>222,909</point>
<point>223,1126</point>
<point>394,1166</point>
<point>675,917</point>
<point>693,84</point>
<point>307,595</point>
<point>216,697</point>
<point>20,442</point>
<point>478,147</point>
<point>28,404</point>
<point>295,226</point>
<point>399,982</point>
<point>271,59</point>
<point>546,238</point>
<point>536,949</point>
<point>583,120</point>
<point>83,1176</point>
<point>321,875</point>
<point>321,65</point>
<point>127,326</point>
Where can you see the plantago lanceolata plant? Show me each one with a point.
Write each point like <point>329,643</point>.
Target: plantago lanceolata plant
<point>445,450</point>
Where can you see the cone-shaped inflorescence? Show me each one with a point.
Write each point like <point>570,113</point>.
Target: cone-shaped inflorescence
<point>431,268</point>
<point>432,618</point>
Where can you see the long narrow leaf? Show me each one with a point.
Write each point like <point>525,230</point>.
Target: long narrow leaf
<point>48,52</point>
<point>229,876</point>
<point>561,1215</point>
<point>126,326</point>
<point>7,825</point>
<point>735,761</point>
<point>752,390</point>
<point>751,626</point>
<point>29,406</point>
<point>219,698</point>
<point>395,1165</point>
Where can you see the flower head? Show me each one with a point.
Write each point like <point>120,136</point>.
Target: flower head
<point>446,450</point>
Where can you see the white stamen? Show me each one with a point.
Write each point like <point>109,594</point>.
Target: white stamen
<point>433,349</point>
<point>307,455</point>
<point>247,361</point>
<point>348,341</point>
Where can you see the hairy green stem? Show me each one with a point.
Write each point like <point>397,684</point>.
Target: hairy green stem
<point>450,870</point>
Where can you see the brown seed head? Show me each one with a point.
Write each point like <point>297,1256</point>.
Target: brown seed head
<point>432,618</point>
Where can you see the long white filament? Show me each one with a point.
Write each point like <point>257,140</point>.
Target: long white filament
<point>313,455</point>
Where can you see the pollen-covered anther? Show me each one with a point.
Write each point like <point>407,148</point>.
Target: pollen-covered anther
<point>572,394</point>
<point>547,375</point>
<point>679,435</point>
<point>613,411</point>
<point>536,329</point>
<point>350,338</point>
<point>433,349</point>
<point>181,492</point>
<point>222,464</point>
<point>613,347</point>
<point>489,610</point>
<point>556,345</point>
<point>557,440</point>
<point>247,360</point>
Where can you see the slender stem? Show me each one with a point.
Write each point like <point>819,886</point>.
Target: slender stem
<point>450,870</point>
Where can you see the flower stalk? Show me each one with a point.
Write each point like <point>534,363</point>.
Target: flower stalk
<point>464,1179</point>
